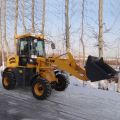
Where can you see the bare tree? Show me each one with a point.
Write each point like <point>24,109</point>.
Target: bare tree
<point>1,42</point>
<point>100,39</point>
<point>15,22</point>
<point>103,84</point>
<point>67,28</point>
<point>0,27</point>
<point>0,34</point>
<point>33,27</point>
<point>82,31</point>
<point>23,15</point>
<point>118,85</point>
<point>5,40</point>
<point>43,16</point>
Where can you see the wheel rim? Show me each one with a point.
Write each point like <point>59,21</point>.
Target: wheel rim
<point>6,81</point>
<point>60,83</point>
<point>39,89</point>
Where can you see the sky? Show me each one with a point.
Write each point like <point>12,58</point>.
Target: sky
<point>111,26</point>
<point>54,25</point>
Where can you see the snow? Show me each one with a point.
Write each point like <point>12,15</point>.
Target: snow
<point>76,103</point>
<point>1,68</point>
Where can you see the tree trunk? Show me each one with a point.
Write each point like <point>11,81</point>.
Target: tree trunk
<point>16,21</point>
<point>5,40</point>
<point>33,27</point>
<point>1,42</point>
<point>23,16</point>
<point>100,41</point>
<point>82,32</point>
<point>118,85</point>
<point>0,28</point>
<point>67,28</point>
<point>43,17</point>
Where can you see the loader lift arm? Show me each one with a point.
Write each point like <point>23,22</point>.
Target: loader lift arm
<point>95,70</point>
<point>69,65</point>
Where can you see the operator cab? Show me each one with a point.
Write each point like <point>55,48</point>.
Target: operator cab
<point>29,48</point>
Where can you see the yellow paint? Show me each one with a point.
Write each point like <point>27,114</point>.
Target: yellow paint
<point>12,61</point>
<point>69,65</point>
<point>31,66</point>
<point>45,69</point>
<point>39,89</point>
<point>5,81</point>
<point>45,66</point>
<point>48,75</point>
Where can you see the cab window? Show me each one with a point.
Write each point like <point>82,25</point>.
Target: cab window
<point>24,47</point>
<point>37,47</point>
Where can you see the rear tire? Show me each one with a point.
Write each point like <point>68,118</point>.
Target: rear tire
<point>41,89</point>
<point>8,80</point>
<point>62,83</point>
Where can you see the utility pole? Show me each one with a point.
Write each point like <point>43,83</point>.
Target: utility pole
<point>67,28</point>
<point>15,23</point>
<point>82,31</point>
<point>23,15</point>
<point>33,27</point>
<point>43,17</point>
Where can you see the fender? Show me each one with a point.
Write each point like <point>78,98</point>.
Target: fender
<point>57,72</point>
<point>5,70</point>
<point>34,77</point>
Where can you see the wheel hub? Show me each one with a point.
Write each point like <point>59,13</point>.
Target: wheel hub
<point>6,83</point>
<point>39,89</point>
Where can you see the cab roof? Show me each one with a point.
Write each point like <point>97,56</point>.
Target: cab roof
<point>38,36</point>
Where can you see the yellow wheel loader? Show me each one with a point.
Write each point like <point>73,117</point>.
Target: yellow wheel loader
<point>31,67</point>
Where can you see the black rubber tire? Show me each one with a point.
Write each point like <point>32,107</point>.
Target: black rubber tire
<point>62,83</point>
<point>47,88</point>
<point>10,79</point>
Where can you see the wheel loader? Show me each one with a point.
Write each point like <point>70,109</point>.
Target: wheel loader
<point>30,67</point>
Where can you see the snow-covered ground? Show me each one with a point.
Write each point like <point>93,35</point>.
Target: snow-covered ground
<point>76,103</point>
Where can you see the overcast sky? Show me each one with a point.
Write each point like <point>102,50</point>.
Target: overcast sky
<point>55,30</point>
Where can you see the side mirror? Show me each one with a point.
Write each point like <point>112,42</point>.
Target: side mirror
<point>53,45</point>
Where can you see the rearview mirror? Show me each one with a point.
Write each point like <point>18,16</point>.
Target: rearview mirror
<point>53,45</point>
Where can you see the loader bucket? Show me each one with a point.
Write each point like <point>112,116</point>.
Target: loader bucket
<point>97,69</point>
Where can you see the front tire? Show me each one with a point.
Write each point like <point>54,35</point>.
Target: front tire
<point>8,80</point>
<point>41,89</point>
<point>62,83</point>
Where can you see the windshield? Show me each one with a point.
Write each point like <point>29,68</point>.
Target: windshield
<point>37,47</point>
<point>31,47</point>
<point>24,47</point>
